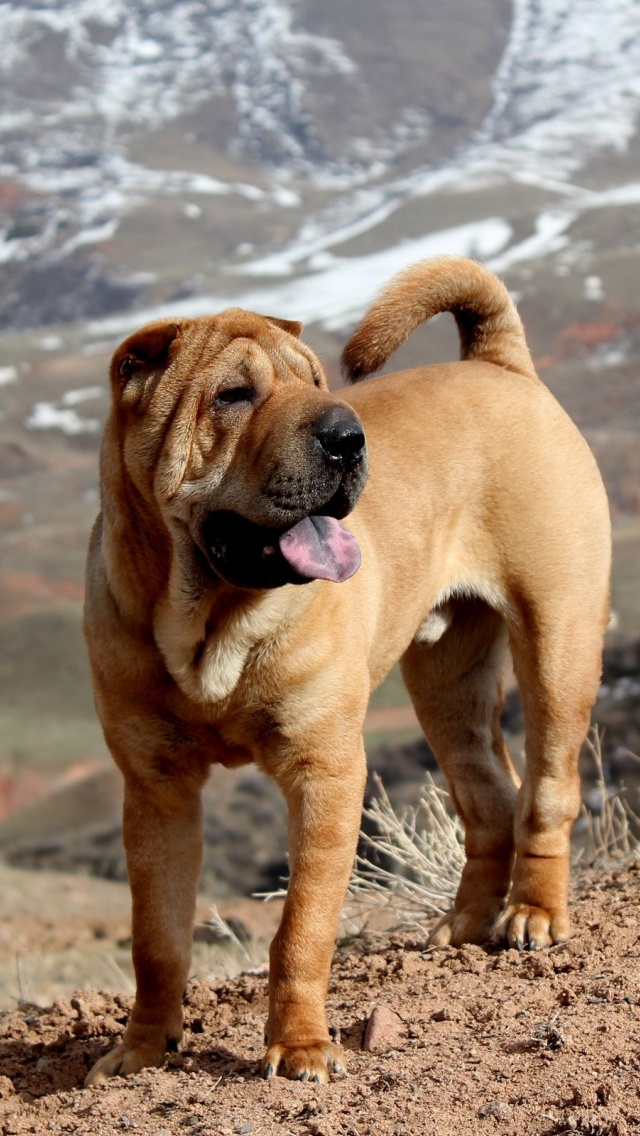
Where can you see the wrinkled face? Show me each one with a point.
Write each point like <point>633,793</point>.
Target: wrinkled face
<point>227,423</point>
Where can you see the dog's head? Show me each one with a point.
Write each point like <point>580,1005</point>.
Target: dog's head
<point>227,429</point>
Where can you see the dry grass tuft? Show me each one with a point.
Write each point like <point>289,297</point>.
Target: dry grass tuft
<point>224,948</point>
<point>215,929</point>
<point>416,859</point>
<point>611,833</point>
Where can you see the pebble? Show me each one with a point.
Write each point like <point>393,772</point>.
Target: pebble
<point>441,1016</point>
<point>384,1030</point>
<point>495,1108</point>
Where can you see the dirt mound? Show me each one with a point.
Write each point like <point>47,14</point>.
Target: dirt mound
<point>487,1041</point>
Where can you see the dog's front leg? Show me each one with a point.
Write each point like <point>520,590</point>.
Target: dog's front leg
<point>163,841</point>
<point>325,806</point>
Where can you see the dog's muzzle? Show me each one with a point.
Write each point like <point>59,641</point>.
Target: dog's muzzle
<point>310,544</point>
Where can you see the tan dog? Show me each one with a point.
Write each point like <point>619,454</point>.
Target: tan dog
<point>226,465</point>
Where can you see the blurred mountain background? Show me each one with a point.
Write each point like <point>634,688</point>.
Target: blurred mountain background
<point>286,156</point>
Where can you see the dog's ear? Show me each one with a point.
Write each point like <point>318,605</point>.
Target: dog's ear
<point>148,351</point>
<point>293,327</point>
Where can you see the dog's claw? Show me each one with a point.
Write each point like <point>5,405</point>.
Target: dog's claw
<point>311,1063</point>
<point>124,1060</point>
<point>465,926</point>
<point>536,927</point>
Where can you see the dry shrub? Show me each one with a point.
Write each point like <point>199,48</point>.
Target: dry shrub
<point>416,856</point>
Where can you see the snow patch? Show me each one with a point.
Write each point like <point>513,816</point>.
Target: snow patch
<point>609,356</point>
<point>60,415</point>
<point>567,87</point>
<point>592,289</point>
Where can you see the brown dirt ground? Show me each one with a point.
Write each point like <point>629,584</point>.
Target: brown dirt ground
<point>492,1041</point>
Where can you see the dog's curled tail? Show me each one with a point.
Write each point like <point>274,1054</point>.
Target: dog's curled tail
<point>489,326</point>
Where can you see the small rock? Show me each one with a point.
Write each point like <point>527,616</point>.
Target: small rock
<point>441,1015</point>
<point>384,1030</point>
<point>6,1088</point>
<point>495,1108</point>
<point>185,1061</point>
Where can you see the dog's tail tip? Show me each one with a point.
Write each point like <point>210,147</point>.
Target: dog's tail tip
<point>352,365</point>
<point>489,326</point>
<point>375,339</point>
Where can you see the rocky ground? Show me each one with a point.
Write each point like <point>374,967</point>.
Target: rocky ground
<point>465,1040</point>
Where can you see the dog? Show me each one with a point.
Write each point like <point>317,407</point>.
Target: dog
<point>267,550</point>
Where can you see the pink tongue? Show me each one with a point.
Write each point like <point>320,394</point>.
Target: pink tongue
<point>320,548</point>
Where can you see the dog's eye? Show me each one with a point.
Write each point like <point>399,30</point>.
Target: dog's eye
<point>234,395</point>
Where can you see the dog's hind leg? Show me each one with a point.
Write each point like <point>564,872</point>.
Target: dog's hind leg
<point>456,687</point>
<point>557,659</point>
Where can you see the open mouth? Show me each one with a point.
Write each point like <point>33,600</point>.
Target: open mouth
<point>255,556</point>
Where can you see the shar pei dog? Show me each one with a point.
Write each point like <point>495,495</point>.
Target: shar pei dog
<point>268,549</point>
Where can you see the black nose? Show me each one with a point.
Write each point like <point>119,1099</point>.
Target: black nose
<point>341,436</point>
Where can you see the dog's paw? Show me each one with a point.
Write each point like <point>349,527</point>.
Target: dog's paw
<point>459,927</point>
<point>530,928</point>
<point>304,1063</point>
<point>125,1059</point>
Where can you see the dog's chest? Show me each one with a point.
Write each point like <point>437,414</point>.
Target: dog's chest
<point>208,653</point>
